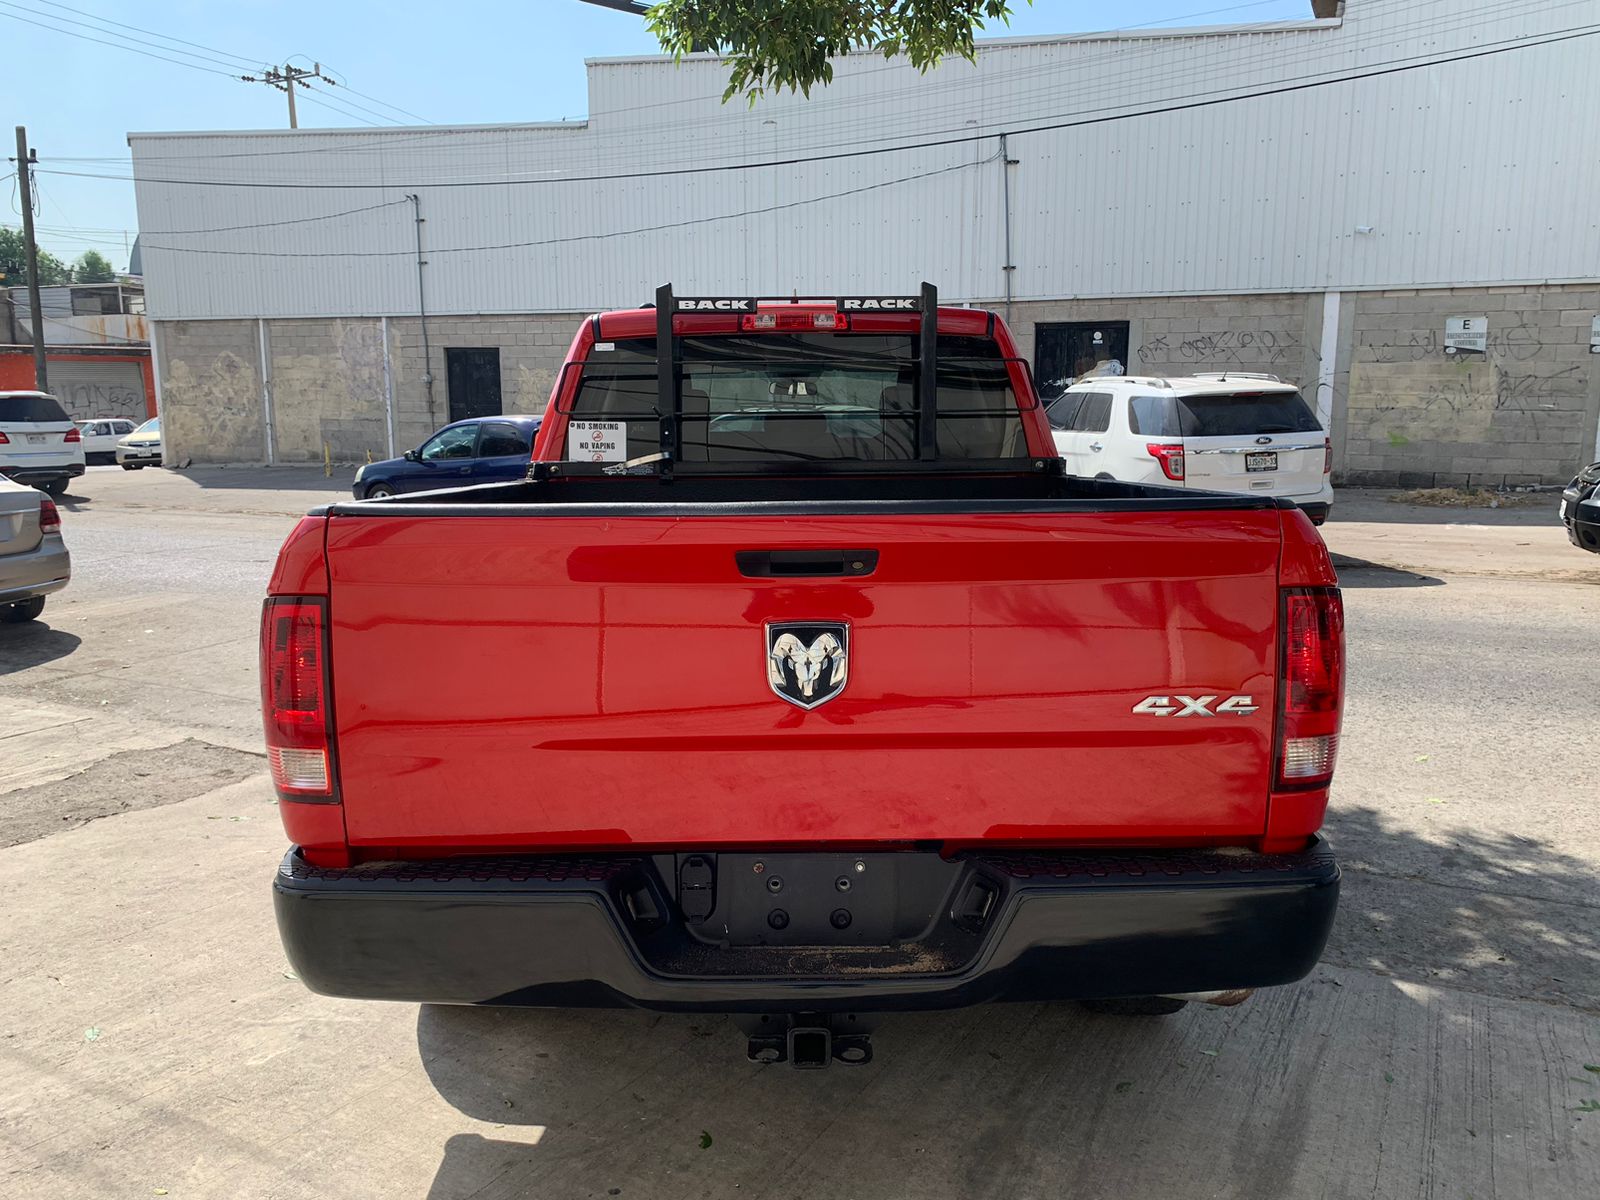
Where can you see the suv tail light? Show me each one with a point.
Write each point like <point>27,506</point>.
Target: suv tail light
<point>49,517</point>
<point>1327,456</point>
<point>1310,686</point>
<point>73,435</point>
<point>1169,456</point>
<point>294,697</point>
<point>4,440</point>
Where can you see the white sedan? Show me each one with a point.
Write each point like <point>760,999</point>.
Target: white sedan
<point>142,447</point>
<point>100,437</point>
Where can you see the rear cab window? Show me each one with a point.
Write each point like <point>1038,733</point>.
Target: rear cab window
<point>794,397</point>
<point>1245,413</point>
<point>30,409</point>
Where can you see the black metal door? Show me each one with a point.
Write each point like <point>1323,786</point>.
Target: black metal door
<point>474,377</point>
<point>1070,349</point>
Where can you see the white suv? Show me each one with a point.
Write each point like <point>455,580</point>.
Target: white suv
<point>39,444</point>
<point>1225,433</point>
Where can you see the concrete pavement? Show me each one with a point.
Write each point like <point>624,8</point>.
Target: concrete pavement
<point>153,1042</point>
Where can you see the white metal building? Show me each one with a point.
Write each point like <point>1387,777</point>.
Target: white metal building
<point>1316,198</point>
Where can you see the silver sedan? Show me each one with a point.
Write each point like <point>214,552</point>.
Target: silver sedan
<point>33,559</point>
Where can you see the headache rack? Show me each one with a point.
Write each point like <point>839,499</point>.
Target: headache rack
<point>669,414</point>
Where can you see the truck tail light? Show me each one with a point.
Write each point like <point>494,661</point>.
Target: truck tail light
<point>1327,456</point>
<point>1169,456</point>
<point>294,697</point>
<point>49,517</point>
<point>73,435</point>
<point>1310,686</point>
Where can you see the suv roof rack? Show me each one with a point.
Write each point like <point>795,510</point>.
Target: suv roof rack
<point>1224,376</point>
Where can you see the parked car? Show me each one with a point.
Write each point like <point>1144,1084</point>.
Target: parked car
<point>1224,433</point>
<point>39,444</point>
<point>100,437</point>
<point>478,450</point>
<point>1580,509</point>
<point>142,447</point>
<point>809,686</point>
<point>33,559</point>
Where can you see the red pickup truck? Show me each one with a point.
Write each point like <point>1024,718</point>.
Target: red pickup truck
<point>798,681</point>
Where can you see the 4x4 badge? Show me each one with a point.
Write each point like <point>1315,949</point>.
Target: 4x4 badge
<point>808,661</point>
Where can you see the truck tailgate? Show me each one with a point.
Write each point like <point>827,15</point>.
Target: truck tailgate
<point>546,680</point>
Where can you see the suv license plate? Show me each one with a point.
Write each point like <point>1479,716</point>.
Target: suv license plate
<point>36,439</point>
<point>1261,462</point>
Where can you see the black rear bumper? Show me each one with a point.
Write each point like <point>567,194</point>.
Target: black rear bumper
<point>602,931</point>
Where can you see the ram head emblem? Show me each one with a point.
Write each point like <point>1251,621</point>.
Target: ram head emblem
<point>807,663</point>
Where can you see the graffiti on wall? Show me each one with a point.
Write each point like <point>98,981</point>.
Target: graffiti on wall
<point>85,400</point>
<point>1229,348</point>
<point>1467,402</point>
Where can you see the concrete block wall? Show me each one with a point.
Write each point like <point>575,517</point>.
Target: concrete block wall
<point>532,349</point>
<point>1182,335</point>
<point>1404,413</point>
<point>1523,412</point>
<point>326,380</point>
<point>211,401</point>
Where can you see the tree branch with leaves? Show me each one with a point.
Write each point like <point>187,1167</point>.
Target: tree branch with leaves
<point>772,45</point>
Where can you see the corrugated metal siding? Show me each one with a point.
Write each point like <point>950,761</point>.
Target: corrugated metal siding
<point>1482,171</point>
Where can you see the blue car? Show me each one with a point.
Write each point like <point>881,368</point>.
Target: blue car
<point>479,450</point>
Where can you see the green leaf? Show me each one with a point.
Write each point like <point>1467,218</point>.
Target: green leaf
<point>790,45</point>
<point>1591,1068</point>
<point>705,1140</point>
<point>1123,1086</point>
<point>1212,1053</point>
<point>1588,1105</point>
<point>1388,1078</point>
<point>92,1034</point>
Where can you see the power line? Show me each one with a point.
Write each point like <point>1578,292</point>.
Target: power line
<point>351,104</point>
<point>588,237</point>
<point>321,100</point>
<point>349,212</point>
<point>140,29</point>
<point>1404,66</point>
<point>97,29</point>
<point>193,66</point>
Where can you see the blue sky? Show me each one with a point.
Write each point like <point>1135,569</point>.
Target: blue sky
<point>469,63</point>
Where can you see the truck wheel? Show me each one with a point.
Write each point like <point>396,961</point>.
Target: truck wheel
<point>1135,1006</point>
<point>22,610</point>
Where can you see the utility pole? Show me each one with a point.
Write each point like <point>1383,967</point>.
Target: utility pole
<point>286,79</point>
<point>25,160</point>
<point>422,308</point>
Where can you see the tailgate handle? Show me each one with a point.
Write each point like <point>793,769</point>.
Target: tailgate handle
<point>805,564</point>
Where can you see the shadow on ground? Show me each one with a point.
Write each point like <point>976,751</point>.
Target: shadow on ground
<point>277,479</point>
<point>988,1101</point>
<point>34,643</point>
<point>1359,573</point>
